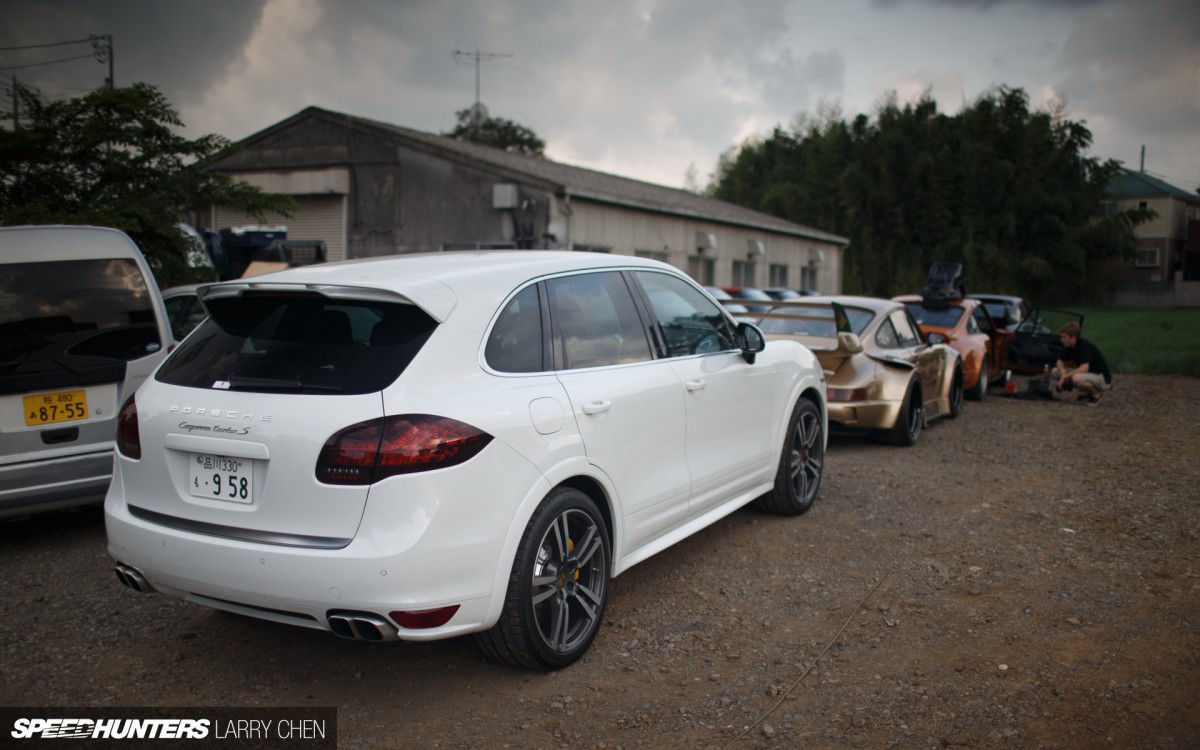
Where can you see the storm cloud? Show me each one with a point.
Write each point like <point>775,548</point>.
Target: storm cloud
<point>642,88</point>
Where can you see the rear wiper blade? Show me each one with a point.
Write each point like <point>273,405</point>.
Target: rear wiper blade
<point>279,384</point>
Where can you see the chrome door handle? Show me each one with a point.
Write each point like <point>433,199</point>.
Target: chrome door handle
<point>597,407</point>
<point>695,385</point>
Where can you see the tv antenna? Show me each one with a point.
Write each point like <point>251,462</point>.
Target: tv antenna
<point>478,113</point>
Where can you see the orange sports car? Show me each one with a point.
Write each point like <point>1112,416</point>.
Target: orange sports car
<point>966,325</point>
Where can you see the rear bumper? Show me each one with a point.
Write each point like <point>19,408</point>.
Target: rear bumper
<point>297,586</point>
<point>864,415</point>
<point>52,483</point>
<point>416,549</point>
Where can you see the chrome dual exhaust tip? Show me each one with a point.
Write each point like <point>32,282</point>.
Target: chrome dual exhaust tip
<point>362,626</point>
<point>133,578</point>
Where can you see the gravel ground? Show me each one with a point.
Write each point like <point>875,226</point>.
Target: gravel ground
<point>1026,576</point>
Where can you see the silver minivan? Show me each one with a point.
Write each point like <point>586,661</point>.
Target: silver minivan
<point>82,324</point>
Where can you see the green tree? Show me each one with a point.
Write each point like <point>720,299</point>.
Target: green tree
<point>113,158</point>
<point>496,132</point>
<point>1006,190</point>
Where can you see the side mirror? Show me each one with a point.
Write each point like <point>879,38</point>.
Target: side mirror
<point>936,338</point>
<point>750,340</point>
<point>849,342</point>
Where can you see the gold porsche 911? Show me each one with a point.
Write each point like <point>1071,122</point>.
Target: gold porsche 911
<point>882,374</point>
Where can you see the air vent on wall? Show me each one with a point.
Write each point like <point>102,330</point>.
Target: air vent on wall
<point>504,196</point>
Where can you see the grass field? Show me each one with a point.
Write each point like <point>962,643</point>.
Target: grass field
<point>1150,341</point>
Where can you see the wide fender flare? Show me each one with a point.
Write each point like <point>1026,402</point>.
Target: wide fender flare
<point>953,360</point>
<point>899,364</point>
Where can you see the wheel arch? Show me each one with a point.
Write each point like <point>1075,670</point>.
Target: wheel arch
<point>813,393</point>
<point>577,474</point>
<point>592,488</point>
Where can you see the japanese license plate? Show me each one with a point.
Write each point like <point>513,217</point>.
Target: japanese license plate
<point>222,478</point>
<point>52,408</point>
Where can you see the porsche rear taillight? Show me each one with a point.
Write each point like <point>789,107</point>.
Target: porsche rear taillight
<point>370,451</point>
<point>129,438</point>
<point>845,395</point>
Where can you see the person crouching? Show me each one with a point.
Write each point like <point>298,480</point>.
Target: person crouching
<point>1081,367</point>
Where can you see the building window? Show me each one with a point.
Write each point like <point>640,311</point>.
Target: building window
<point>1107,209</point>
<point>808,279</point>
<point>778,275</point>
<point>1146,257</point>
<point>580,247</point>
<point>661,255</point>
<point>743,273</point>
<point>1143,205</point>
<point>702,269</point>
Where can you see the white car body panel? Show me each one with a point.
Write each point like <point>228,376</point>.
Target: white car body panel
<point>635,433</point>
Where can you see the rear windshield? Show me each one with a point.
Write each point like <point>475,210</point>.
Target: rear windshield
<point>75,308</point>
<point>303,343</point>
<point>816,320</point>
<point>942,317</point>
<point>996,309</point>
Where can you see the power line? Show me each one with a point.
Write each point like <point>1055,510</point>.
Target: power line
<point>61,88</point>
<point>47,62</point>
<point>40,46</point>
<point>102,51</point>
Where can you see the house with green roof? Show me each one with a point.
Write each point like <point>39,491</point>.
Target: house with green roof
<point>1165,269</point>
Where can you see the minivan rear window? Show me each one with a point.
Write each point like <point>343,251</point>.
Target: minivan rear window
<point>75,308</point>
<point>298,342</point>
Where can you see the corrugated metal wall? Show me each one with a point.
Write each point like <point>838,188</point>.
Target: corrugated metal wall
<point>319,217</point>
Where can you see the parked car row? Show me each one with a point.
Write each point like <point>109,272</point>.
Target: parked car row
<point>894,365</point>
<point>425,446</point>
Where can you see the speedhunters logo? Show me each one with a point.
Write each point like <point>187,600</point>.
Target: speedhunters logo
<point>227,728</point>
<point>117,729</point>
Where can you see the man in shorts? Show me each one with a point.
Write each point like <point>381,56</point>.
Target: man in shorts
<point>1081,367</point>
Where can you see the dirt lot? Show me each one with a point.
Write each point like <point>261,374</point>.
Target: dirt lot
<point>1026,576</point>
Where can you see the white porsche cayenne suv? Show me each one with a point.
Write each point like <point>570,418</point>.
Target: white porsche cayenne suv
<point>425,446</point>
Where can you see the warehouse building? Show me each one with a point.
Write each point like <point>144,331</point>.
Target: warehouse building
<point>368,188</point>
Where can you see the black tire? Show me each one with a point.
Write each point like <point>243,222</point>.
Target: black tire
<point>980,390</point>
<point>910,419</point>
<point>956,393</point>
<point>801,464</point>
<point>558,588</point>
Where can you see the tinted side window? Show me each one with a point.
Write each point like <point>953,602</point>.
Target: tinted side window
<point>300,343</point>
<point>595,321</point>
<point>691,322</point>
<point>515,343</point>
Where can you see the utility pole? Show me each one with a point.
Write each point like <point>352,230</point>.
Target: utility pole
<point>103,45</point>
<point>477,57</point>
<point>16,104</point>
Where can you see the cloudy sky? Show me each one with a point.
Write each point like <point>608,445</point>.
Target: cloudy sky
<point>648,89</point>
